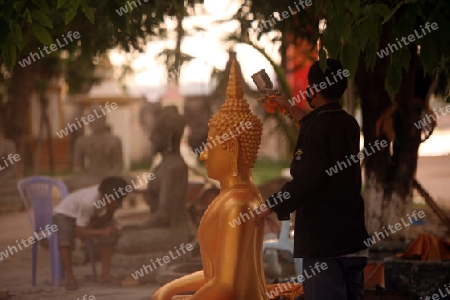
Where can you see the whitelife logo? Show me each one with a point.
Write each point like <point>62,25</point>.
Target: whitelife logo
<point>284,287</point>
<point>441,294</point>
<point>166,259</point>
<point>128,189</point>
<point>225,137</point>
<point>355,158</point>
<point>284,15</point>
<point>124,9</point>
<point>243,217</point>
<point>86,120</point>
<point>427,119</point>
<point>38,235</point>
<point>12,158</point>
<point>27,61</point>
<point>411,38</point>
<point>398,227</point>
<point>321,86</point>
<point>85,297</point>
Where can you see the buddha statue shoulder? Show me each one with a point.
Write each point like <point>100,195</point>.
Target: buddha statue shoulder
<point>99,154</point>
<point>230,243</point>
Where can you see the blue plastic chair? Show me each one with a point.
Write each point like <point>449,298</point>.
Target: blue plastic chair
<point>284,243</point>
<point>38,191</point>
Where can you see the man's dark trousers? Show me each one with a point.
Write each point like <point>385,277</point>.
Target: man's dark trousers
<point>342,280</point>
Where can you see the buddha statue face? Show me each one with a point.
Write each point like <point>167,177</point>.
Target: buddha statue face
<point>99,126</point>
<point>234,135</point>
<point>165,135</point>
<point>219,160</point>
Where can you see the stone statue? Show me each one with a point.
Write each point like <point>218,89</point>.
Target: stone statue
<point>96,156</point>
<point>231,253</point>
<point>168,224</point>
<point>9,196</point>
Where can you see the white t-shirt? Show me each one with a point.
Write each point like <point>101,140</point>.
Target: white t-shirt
<point>80,205</point>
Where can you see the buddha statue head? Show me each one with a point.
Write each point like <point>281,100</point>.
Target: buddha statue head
<point>234,135</point>
<point>100,125</point>
<point>167,131</point>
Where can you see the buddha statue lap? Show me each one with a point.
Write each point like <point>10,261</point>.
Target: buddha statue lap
<point>231,253</point>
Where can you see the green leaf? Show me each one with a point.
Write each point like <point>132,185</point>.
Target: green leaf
<point>16,34</point>
<point>27,15</point>
<point>402,57</point>
<point>42,4</point>
<point>370,55</point>
<point>118,21</point>
<point>70,14</point>
<point>331,42</point>
<point>429,56</point>
<point>9,53</point>
<point>383,10</point>
<point>4,31</point>
<point>372,26</point>
<point>42,18</point>
<point>340,7</point>
<point>60,3</point>
<point>89,13</point>
<point>350,57</point>
<point>322,59</point>
<point>393,79</point>
<point>19,5</point>
<point>355,6</point>
<point>42,34</point>
<point>359,36</point>
<point>393,11</point>
<point>342,25</point>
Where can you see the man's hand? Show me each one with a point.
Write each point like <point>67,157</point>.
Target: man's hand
<point>294,110</point>
<point>110,230</point>
<point>282,100</point>
<point>261,217</point>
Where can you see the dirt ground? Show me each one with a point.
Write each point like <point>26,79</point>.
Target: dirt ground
<point>15,271</point>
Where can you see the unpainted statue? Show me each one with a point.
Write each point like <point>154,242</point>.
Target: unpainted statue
<point>168,224</point>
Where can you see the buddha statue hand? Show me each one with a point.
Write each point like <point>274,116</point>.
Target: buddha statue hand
<point>158,219</point>
<point>161,294</point>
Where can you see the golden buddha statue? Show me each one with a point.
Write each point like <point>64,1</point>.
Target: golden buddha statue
<point>231,253</point>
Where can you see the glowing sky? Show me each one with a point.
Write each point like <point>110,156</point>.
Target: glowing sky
<point>208,47</point>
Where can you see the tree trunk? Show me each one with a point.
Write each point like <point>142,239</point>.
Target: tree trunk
<point>44,127</point>
<point>179,38</point>
<point>389,173</point>
<point>17,110</point>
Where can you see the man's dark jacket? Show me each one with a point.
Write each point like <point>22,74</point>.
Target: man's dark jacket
<point>329,218</point>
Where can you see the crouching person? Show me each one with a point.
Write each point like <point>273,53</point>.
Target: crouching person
<point>88,213</point>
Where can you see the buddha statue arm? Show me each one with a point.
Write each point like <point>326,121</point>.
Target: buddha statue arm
<point>235,249</point>
<point>191,282</point>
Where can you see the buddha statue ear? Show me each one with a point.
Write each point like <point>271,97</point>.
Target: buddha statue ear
<point>233,148</point>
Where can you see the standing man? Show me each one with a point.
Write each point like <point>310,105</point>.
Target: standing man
<point>78,216</point>
<point>329,222</point>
